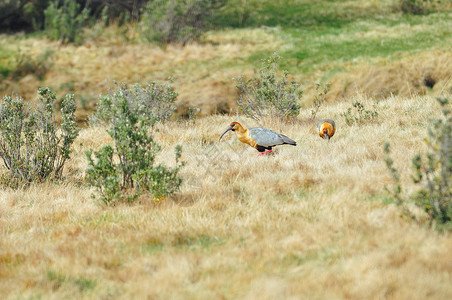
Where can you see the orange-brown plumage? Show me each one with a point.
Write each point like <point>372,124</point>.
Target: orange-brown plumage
<point>243,134</point>
<point>326,128</point>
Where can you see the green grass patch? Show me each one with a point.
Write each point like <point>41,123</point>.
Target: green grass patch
<point>322,255</point>
<point>385,199</point>
<point>58,279</point>
<point>198,242</point>
<point>152,246</point>
<point>182,241</point>
<point>295,13</point>
<point>85,284</point>
<point>107,218</point>
<point>6,65</point>
<point>332,47</point>
<point>10,260</point>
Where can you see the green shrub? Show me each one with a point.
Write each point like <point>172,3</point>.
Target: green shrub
<point>66,22</point>
<point>32,145</point>
<point>269,93</point>
<point>433,172</point>
<point>357,114</point>
<point>127,170</point>
<point>154,102</point>
<point>177,21</point>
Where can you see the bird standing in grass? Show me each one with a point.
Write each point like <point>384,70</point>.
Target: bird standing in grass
<point>326,128</point>
<point>262,139</point>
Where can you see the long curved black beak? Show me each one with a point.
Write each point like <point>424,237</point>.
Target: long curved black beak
<point>230,128</point>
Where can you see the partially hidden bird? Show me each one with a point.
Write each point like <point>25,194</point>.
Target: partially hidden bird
<point>326,128</point>
<point>262,139</point>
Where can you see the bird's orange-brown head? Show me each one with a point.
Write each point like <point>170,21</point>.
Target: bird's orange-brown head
<point>326,130</point>
<point>234,126</point>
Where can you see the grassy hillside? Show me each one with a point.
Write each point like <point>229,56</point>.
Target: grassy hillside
<point>358,46</point>
<point>313,221</point>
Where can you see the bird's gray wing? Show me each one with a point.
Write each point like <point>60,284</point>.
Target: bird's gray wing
<point>268,138</point>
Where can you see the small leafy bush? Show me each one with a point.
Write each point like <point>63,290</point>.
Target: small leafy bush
<point>177,21</point>
<point>269,93</point>
<point>26,64</point>
<point>127,169</point>
<point>32,145</point>
<point>357,114</point>
<point>433,172</point>
<point>154,102</point>
<point>65,22</point>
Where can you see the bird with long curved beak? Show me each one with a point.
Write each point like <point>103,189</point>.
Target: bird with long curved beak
<point>260,138</point>
<point>326,128</point>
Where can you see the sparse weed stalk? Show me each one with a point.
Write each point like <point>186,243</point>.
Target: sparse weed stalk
<point>434,171</point>
<point>396,191</point>
<point>357,114</point>
<point>269,93</point>
<point>32,145</point>
<point>127,170</point>
<point>320,98</point>
<point>65,22</point>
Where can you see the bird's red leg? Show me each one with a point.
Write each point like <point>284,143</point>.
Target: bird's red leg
<point>265,152</point>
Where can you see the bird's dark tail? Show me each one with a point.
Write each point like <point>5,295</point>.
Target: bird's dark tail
<point>288,141</point>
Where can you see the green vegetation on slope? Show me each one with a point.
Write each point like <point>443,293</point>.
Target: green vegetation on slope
<point>307,48</point>
<point>317,41</point>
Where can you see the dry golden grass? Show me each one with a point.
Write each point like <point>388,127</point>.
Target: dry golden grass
<point>202,72</point>
<point>405,77</point>
<point>309,222</point>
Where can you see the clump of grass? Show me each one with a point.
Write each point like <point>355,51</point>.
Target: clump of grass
<point>269,93</point>
<point>32,145</point>
<point>26,64</point>
<point>127,169</point>
<point>358,114</point>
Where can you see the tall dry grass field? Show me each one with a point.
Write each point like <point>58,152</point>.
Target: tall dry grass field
<point>312,221</point>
